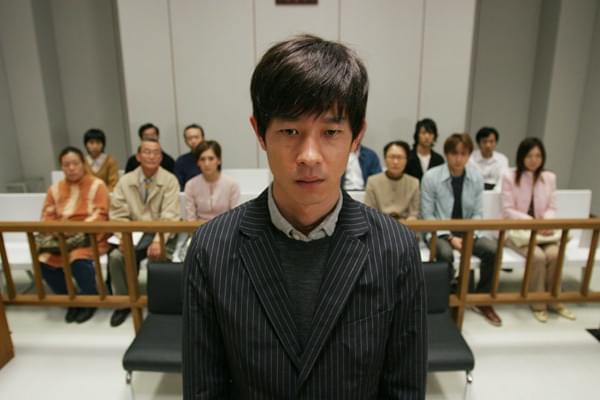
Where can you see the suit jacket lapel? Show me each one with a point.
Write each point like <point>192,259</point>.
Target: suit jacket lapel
<point>344,266</point>
<point>261,262</point>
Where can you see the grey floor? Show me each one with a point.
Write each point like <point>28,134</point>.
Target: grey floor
<point>523,359</point>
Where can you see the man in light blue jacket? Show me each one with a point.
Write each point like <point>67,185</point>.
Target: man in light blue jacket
<point>454,191</point>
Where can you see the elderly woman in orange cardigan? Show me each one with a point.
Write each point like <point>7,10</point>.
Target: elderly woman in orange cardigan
<point>78,197</point>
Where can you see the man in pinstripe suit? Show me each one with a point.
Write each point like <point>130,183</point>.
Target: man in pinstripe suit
<point>304,293</point>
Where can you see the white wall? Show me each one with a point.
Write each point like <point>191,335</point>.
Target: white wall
<point>145,37</point>
<point>24,76</point>
<point>446,64</point>
<point>213,56</point>
<point>503,72</point>
<point>86,49</point>
<point>198,58</point>
<point>584,173</point>
<point>10,160</point>
<point>567,84</point>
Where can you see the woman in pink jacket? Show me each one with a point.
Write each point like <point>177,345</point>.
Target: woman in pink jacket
<point>529,192</point>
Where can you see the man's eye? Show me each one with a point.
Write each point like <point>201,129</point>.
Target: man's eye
<point>332,132</point>
<point>289,132</point>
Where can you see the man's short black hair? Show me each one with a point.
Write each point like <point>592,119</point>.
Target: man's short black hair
<point>307,75</point>
<point>94,134</point>
<point>193,126</point>
<point>400,143</point>
<point>429,126</point>
<point>485,132</point>
<point>145,126</point>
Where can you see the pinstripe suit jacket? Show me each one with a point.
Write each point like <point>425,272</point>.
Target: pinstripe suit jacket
<point>368,337</point>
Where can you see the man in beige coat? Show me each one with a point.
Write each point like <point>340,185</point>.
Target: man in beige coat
<point>148,193</point>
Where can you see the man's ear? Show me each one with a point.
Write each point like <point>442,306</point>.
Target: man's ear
<point>137,157</point>
<point>356,141</point>
<point>259,137</point>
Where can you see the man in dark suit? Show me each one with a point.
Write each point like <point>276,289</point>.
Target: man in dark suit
<point>304,293</point>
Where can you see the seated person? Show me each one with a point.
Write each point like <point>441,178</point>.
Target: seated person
<point>454,191</point>
<point>393,192</point>
<point>185,165</point>
<point>529,192</point>
<point>422,157</point>
<point>150,131</point>
<point>78,197</point>
<point>490,164</point>
<point>100,164</point>
<point>148,193</point>
<point>210,193</point>
<point>362,163</point>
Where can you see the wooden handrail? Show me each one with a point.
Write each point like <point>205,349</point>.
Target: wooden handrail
<point>458,301</point>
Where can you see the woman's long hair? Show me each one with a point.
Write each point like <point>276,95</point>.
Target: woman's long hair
<point>524,148</point>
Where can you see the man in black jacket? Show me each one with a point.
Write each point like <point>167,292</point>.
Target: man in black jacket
<point>304,293</point>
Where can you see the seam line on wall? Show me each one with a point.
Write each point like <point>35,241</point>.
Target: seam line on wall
<point>173,76</point>
<point>420,85</point>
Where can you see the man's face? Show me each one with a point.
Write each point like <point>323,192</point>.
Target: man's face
<point>395,160</point>
<point>193,137</point>
<point>307,157</point>
<point>457,159</point>
<point>487,146</point>
<point>426,138</point>
<point>94,147</point>
<point>150,133</point>
<point>149,156</point>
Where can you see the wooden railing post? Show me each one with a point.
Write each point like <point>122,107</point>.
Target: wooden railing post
<point>10,284</point>
<point>100,286</point>
<point>6,347</point>
<point>587,275</point>
<point>37,271</point>
<point>498,263</point>
<point>131,272</point>
<point>564,238</point>
<point>528,264</point>
<point>463,276</point>
<point>66,266</point>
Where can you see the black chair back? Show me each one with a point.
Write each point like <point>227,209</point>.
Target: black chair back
<point>165,281</point>
<point>437,285</point>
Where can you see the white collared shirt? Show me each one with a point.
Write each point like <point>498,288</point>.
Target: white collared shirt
<point>325,228</point>
<point>353,179</point>
<point>491,169</point>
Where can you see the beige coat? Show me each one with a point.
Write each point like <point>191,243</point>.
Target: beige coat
<point>127,203</point>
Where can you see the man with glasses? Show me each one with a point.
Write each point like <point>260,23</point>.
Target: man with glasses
<point>148,193</point>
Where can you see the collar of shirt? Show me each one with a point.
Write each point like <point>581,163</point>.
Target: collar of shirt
<point>325,228</point>
<point>96,164</point>
<point>445,173</point>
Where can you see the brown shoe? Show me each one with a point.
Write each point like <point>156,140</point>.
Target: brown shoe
<point>489,314</point>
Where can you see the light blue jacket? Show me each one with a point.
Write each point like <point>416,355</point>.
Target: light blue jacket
<point>437,197</point>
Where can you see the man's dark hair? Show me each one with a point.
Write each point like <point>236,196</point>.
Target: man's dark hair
<point>485,132</point>
<point>191,126</point>
<point>525,147</point>
<point>71,149</point>
<point>400,143</point>
<point>207,145</point>
<point>429,126</point>
<point>307,75</point>
<point>94,134</point>
<point>456,139</point>
<point>147,125</point>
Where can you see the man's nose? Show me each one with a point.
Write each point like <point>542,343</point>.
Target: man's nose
<point>310,151</point>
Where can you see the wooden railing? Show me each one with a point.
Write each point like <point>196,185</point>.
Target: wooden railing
<point>462,298</point>
<point>132,300</point>
<point>136,302</point>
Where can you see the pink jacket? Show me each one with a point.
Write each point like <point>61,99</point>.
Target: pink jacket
<point>516,198</point>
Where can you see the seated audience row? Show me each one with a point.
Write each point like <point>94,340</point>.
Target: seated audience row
<point>454,190</point>
<point>148,193</point>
